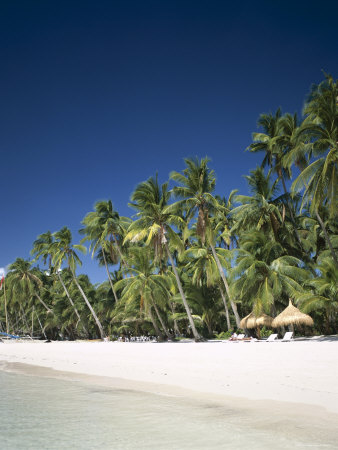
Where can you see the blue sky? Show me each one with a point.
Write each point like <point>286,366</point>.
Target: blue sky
<point>98,96</point>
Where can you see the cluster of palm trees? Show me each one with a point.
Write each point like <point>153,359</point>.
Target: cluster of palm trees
<point>193,263</point>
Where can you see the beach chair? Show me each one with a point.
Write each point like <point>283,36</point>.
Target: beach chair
<point>287,336</point>
<point>272,337</point>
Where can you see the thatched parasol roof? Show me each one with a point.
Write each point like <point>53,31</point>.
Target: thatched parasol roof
<point>248,321</point>
<point>264,320</point>
<point>292,316</point>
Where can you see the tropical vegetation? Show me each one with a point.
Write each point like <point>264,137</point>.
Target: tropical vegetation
<point>191,262</point>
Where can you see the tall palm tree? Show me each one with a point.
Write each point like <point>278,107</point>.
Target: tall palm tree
<point>95,231</point>
<point>64,251</point>
<point>43,248</point>
<point>153,223</point>
<point>258,211</point>
<point>224,219</point>
<point>323,294</point>
<point>146,284</point>
<point>320,179</point>
<point>197,184</point>
<point>265,274</point>
<point>24,281</point>
<point>201,263</point>
<point>280,135</point>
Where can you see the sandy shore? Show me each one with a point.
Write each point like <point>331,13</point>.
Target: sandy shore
<point>298,372</point>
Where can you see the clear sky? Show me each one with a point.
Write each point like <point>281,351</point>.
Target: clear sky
<point>97,96</point>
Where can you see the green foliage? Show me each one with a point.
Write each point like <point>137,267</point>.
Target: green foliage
<point>191,259</point>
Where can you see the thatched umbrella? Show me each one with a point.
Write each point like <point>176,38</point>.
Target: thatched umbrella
<point>291,316</point>
<point>248,321</point>
<point>264,320</point>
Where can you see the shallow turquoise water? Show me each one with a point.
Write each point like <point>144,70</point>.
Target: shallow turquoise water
<point>48,413</point>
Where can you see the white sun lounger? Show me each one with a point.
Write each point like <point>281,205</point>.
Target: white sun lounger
<point>272,337</point>
<point>287,336</point>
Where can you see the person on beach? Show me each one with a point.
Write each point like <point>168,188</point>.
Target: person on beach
<point>234,336</point>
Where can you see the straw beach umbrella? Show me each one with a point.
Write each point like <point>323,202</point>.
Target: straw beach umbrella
<point>248,321</point>
<point>264,320</point>
<point>291,316</point>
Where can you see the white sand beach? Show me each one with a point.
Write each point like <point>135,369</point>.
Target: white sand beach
<point>301,372</point>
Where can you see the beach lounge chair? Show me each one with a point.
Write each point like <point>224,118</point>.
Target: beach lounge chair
<point>287,336</point>
<point>272,337</point>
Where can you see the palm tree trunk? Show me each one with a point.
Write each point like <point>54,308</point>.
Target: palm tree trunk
<point>176,328</point>
<point>43,303</point>
<point>6,315</point>
<point>327,238</point>
<point>42,329</point>
<point>153,321</point>
<point>71,302</point>
<point>119,250</point>
<point>185,303</point>
<point>220,269</point>
<point>226,308</point>
<point>24,318</point>
<point>281,176</point>
<point>98,323</point>
<point>109,277</point>
<point>161,321</point>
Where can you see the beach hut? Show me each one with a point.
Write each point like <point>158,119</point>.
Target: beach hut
<point>292,316</point>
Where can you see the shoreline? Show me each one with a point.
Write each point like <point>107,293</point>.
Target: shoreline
<point>302,426</point>
<point>291,376</point>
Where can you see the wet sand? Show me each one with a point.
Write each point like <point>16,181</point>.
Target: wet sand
<point>293,383</point>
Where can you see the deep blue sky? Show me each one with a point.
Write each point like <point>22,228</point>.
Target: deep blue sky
<point>97,96</point>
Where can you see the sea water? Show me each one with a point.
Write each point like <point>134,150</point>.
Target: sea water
<point>47,413</point>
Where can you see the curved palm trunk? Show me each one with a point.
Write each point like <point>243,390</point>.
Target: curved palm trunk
<point>24,318</point>
<point>226,308</point>
<point>176,328</point>
<point>185,303</point>
<point>72,303</point>
<point>220,269</point>
<point>98,323</point>
<point>42,329</point>
<point>161,321</point>
<point>109,277</point>
<point>119,250</point>
<point>153,321</point>
<point>327,237</point>
<point>43,303</point>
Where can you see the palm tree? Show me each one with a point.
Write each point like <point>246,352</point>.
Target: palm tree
<point>114,226</point>
<point>224,219</point>
<point>145,284</point>
<point>201,263</point>
<point>197,184</point>
<point>154,220</point>
<point>281,135</point>
<point>264,273</point>
<point>24,280</point>
<point>320,179</point>
<point>43,248</point>
<point>95,231</point>
<point>323,293</point>
<point>258,211</point>
<point>64,251</point>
